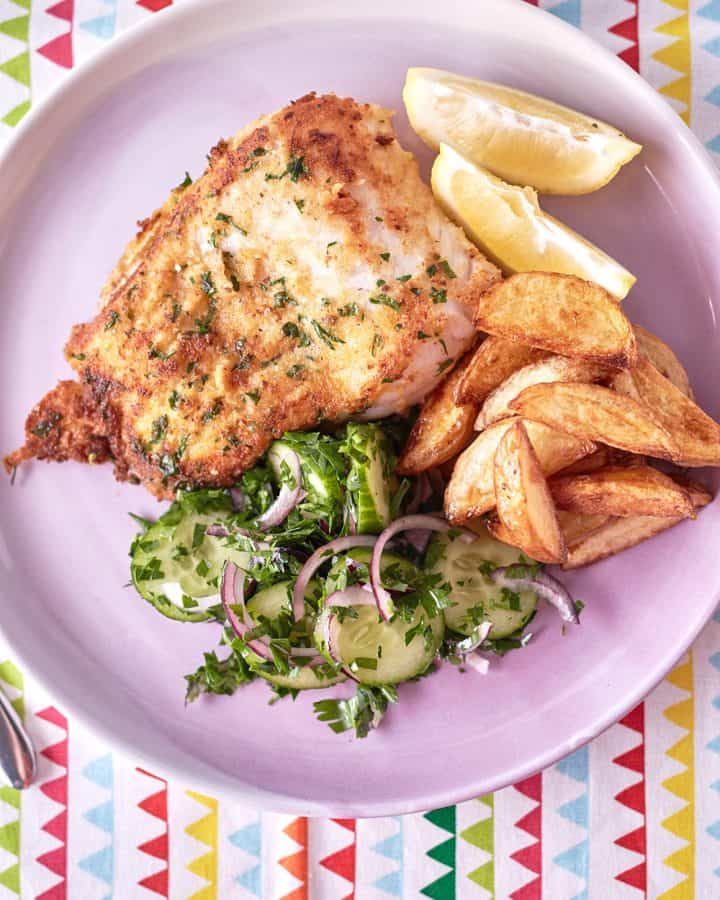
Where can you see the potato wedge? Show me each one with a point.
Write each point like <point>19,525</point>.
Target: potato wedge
<point>695,434</point>
<point>699,494</point>
<point>524,504</point>
<point>441,430</point>
<point>622,491</point>
<point>494,361</point>
<point>595,413</point>
<point>578,526</point>
<point>622,533</point>
<point>663,358</point>
<point>602,457</point>
<point>554,368</point>
<point>616,535</point>
<point>471,491</point>
<point>559,313</point>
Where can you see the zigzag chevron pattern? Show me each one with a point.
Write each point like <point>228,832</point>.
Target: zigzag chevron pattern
<point>100,863</point>
<point>682,822</point>
<point>566,815</point>
<point>156,805</point>
<point>248,839</point>
<point>60,49</point>
<point>530,855</point>
<point>676,56</point>
<point>56,789</point>
<point>476,848</point>
<point>633,798</point>
<point>15,64</point>
<point>390,848</point>
<point>102,25</point>
<point>442,888</point>
<point>342,861</point>
<point>296,863</point>
<point>714,747</point>
<point>11,682</point>
<point>205,831</point>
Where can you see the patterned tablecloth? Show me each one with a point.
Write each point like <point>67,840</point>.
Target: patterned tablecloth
<point>634,814</point>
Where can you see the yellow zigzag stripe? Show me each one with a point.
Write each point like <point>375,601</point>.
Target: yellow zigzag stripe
<point>682,785</point>
<point>676,55</point>
<point>205,830</point>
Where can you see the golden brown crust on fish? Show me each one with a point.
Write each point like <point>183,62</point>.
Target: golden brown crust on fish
<point>307,276</point>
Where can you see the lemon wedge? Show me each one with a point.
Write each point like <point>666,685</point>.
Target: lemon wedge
<point>507,224</point>
<point>519,137</point>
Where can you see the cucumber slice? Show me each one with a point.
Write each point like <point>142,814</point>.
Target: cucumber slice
<point>271,602</point>
<point>176,566</point>
<point>370,477</point>
<point>393,569</point>
<point>377,651</point>
<point>323,470</point>
<point>461,565</point>
<point>302,678</point>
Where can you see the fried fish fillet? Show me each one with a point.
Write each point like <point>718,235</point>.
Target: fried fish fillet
<point>307,277</point>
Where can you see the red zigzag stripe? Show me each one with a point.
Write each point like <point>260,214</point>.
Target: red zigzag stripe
<point>60,49</point>
<point>158,847</point>
<point>531,856</point>
<point>628,29</point>
<point>342,862</point>
<point>57,790</point>
<point>633,797</point>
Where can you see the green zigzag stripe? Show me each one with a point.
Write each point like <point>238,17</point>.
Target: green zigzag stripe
<point>482,836</point>
<point>443,888</point>
<point>18,67</point>
<point>10,833</point>
<point>18,28</point>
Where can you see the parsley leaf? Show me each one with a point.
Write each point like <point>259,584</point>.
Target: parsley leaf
<point>360,713</point>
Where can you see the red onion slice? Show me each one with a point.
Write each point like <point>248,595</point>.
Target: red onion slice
<point>478,662</point>
<point>321,555</point>
<point>287,498</point>
<point>238,499</point>
<point>356,595</point>
<point>405,523</point>
<point>474,639</point>
<point>545,586</point>
<point>232,593</point>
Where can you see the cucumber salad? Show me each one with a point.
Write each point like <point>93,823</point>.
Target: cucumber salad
<point>322,566</point>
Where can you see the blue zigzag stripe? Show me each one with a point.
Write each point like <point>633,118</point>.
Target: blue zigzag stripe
<point>391,848</point>
<point>101,863</point>
<point>102,26</point>
<point>249,839</point>
<point>576,859</point>
<point>569,11</point>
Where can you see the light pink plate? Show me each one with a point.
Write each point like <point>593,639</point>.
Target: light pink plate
<point>103,152</point>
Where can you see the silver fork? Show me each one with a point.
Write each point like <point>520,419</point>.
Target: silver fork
<point>18,761</point>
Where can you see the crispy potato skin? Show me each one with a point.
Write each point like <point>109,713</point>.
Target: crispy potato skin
<point>663,358</point>
<point>546,371</point>
<point>619,534</point>
<point>559,313</point>
<point>442,429</point>
<point>524,504</point>
<point>493,362</point>
<point>622,491</point>
<point>470,492</point>
<point>596,413</point>
<point>695,434</point>
<point>272,295</point>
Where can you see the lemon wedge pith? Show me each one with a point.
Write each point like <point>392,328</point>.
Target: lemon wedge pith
<point>507,224</point>
<point>521,138</point>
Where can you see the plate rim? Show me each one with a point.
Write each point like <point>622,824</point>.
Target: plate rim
<point>100,65</point>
